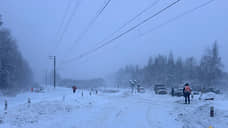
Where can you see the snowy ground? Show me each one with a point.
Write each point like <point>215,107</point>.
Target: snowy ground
<point>59,108</point>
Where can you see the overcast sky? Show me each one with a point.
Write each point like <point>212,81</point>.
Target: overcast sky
<point>35,25</point>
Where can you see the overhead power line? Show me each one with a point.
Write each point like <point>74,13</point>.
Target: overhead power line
<point>59,41</point>
<point>131,20</point>
<point>91,23</point>
<point>122,34</point>
<point>177,17</point>
<point>125,24</point>
<point>106,4</point>
<point>61,25</point>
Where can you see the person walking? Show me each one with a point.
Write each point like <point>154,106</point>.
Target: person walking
<point>187,93</point>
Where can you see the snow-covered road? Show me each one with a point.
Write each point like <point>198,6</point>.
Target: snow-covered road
<point>61,109</point>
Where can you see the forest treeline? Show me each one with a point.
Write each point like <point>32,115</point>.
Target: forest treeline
<point>15,72</point>
<point>173,71</point>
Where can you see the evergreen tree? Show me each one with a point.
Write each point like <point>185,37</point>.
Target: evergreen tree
<point>14,70</point>
<point>167,70</point>
<point>1,20</point>
<point>211,66</point>
<point>171,78</point>
<point>179,70</point>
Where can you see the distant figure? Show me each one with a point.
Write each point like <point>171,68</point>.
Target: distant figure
<point>172,92</point>
<point>187,93</point>
<point>6,105</point>
<point>132,85</point>
<point>138,88</point>
<point>74,89</point>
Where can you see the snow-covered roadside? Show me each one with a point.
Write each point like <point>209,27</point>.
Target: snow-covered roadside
<point>60,108</point>
<point>197,114</point>
<point>50,105</point>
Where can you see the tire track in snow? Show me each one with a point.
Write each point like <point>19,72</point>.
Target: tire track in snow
<point>150,122</point>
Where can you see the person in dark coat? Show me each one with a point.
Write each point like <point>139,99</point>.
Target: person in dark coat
<point>172,92</point>
<point>187,93</point>
<point>74,89</point>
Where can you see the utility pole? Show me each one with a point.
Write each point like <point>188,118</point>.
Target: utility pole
<point>54,75</point>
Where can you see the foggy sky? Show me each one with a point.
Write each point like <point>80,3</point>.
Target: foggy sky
<point>34,24</point>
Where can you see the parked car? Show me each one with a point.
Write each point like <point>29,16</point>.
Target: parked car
<point>39,89</point>
<point>211,90</point>
<point>160,89</point>
<point>195,92</point>
<point>157,86</point>
<point>178,92</point>
<point>141,90</point>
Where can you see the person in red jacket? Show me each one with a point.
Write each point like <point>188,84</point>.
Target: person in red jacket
<point>74,89</point>
<point>187,92</point>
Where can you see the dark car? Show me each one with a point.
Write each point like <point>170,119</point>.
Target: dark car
<point>195,92</point>
<point>178,92</point>
<point>158,86</point>
<point>160,89</point>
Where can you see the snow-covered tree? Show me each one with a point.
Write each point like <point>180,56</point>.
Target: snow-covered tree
<point>167,70</point>
<point>14,70</point>
<point>179,70</point>
<point>171,78</point>
<point>211,66</point>
<point>1,20</point>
